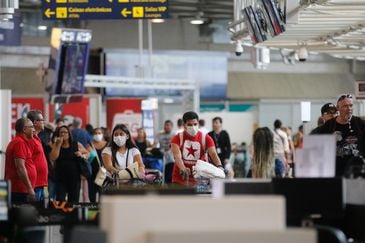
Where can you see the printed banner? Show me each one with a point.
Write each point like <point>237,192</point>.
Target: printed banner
<point>68,111</point>
<point>124,111</point>
<point>21,106</point>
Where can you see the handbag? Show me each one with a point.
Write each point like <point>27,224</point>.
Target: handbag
<point>102,172</point>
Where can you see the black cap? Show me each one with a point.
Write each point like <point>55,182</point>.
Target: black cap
<point>328,107</point>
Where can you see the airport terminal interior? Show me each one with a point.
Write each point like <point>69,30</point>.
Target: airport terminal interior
<point>153,121</point>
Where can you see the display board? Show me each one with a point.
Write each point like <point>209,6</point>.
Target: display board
<point>105,9</point>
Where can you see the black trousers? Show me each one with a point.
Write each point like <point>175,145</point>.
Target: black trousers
<point>71,189</point>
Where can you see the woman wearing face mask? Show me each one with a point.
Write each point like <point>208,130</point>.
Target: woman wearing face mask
<point>98,145</point>
<point>188,147</point>
<point>121,151</point>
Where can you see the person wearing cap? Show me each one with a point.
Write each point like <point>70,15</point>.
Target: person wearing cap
<point>328,111</point>
<point>349,131</point>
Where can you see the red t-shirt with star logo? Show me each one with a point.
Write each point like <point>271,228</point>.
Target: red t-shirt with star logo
<point>191,149</point>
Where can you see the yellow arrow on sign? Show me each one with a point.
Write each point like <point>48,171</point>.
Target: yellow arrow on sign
<point>125,12</point>
<point>48,1</point>
<point>49,13</point>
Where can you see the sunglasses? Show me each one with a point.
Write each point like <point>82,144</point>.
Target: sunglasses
<point>344,96</point>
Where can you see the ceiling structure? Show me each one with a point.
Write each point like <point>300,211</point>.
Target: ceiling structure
<point>209,9</point>
<point>334,27</point>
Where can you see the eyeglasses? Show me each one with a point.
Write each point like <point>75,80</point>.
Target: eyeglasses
<point>344,96</point>
<point>29,126</point>
<point>41,120</point>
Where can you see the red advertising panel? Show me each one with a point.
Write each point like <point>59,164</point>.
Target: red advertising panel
<point>125,111</point>
<point>21,105</point>
<point>69,111</point>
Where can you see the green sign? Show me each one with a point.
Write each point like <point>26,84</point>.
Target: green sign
<point>211,107</point>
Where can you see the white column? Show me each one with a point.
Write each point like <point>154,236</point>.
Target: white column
<point>5,126</point>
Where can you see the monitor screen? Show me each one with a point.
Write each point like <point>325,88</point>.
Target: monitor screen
<point>320,199</point>
<point>272,17</point>
<point>72,68</point>
<point>253,24</point>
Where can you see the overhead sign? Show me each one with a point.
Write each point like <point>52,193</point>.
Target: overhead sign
<point>105,9</point>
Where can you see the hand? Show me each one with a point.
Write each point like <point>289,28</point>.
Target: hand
<point>185,173</point>
<point>228,168</point>
<point>58,140</point>
<point>79,154</point>
<point>31,196</point>
<point>220,167</point>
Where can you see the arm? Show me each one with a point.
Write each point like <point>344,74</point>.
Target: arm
<point>138,158</point>
<point>55,149</point>
<point>83,152</point>
<point>177,155</point>
<point>107,160</point>
<point>214,156</point>
<point>23,175</point>
<point>228,151</point>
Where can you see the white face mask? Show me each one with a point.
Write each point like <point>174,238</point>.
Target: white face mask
<point>120,140</point>
<point>192,130</point>
<point>98,137</point>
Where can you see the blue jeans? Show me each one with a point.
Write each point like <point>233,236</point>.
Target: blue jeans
<point>279,168</point>
<point>39,193</point>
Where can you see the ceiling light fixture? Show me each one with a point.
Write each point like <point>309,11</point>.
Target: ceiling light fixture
<point>42,27</point>
<point>157,21</point>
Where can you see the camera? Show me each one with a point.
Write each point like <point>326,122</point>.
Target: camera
<point>239,48</point>
<point>302,54</point>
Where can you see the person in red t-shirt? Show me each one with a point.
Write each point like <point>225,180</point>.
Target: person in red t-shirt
<point>191,149</point>
<point>19,166</point>
<point>39,157</point>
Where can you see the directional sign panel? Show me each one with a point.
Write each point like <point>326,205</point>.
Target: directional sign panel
<point>105,9</point>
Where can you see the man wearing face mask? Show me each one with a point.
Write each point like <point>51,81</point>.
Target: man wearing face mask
<point>188,147</point>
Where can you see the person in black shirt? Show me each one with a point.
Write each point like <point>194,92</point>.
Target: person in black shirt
<point>222,144</point>
<point>349,131</point>
<point>328,111</point>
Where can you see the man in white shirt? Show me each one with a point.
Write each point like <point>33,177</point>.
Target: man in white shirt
<point>281,149</point>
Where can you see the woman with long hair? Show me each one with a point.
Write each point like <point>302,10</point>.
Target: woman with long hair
<point>141,141</point>
<point>66,155</point>
<point>98,144</point>
<point>121,151</point>
<point>263,161</point>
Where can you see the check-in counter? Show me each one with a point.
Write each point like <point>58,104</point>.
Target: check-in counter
<point>128,219</point>
<point>299,235</point>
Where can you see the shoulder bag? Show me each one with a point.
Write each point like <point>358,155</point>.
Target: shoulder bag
<point>102,172</point>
